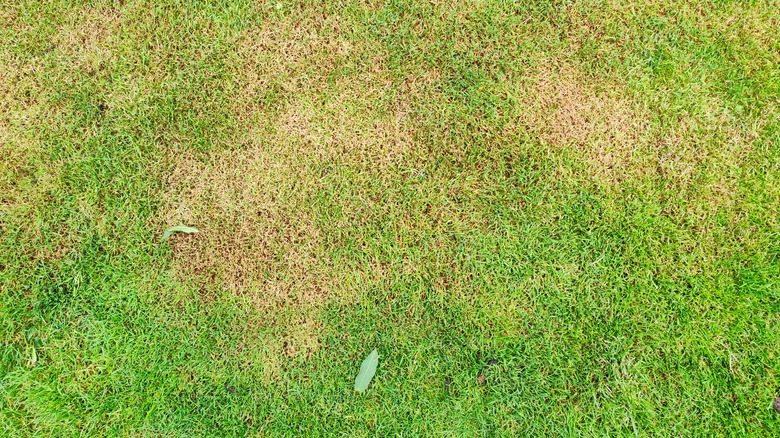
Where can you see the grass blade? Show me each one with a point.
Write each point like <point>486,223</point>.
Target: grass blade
<point>179,229</point>
<point>367,370</point>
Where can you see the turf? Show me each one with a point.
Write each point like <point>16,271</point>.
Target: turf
<point>549,218</point>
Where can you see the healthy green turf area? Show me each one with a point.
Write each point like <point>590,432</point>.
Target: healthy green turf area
<point>548,217</point>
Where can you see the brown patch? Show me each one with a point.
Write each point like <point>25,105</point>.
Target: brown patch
<point>84,38</point>
<point>701,156</point>
<point>289,58</point>
<point>255,233</point>
<point>566,109</point>
<point>254,207</point>
<point>347,128</point>
<point>81,42</point>
<point>254,202</point>
<point>598,121</point>
<point>27,176</point>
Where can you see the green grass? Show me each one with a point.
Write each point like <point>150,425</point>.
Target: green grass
<point>549,218</point>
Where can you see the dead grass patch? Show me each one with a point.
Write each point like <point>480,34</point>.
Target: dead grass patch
<point>84,38</point>
<point>253,201</point>
<point>26,177</point>
<point>690,165</point>
<point>256,234</point>
<point>286,58</point>
<point>599,122</point>
<point>24,90</point>
<point>565,109</point>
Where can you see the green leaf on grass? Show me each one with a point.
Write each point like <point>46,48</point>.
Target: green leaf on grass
<point>367,370</point>
<point>178,228</point>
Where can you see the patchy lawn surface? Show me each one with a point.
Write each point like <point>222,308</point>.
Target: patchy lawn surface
<point>550,218</point>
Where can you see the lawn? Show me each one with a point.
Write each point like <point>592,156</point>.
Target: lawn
<point>549,217</point>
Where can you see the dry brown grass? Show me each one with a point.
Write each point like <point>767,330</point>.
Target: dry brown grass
<point>285,59</point>
<point>598,121</point>
<point>25,177</point>
<point>252,201</point>
<point>27,174</point>
<point>83,41</point>
<point>254,229</point>
<point>565,109</point>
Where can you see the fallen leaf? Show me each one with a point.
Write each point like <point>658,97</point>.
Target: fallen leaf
<point>367,370</point>
<point>179,229</point>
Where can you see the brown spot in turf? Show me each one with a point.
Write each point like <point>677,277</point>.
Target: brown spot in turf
<point>28,175</point>
<point>256,235</point>
<point>566,109</point>
<point>299,113</point>
<point>84,37</point>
